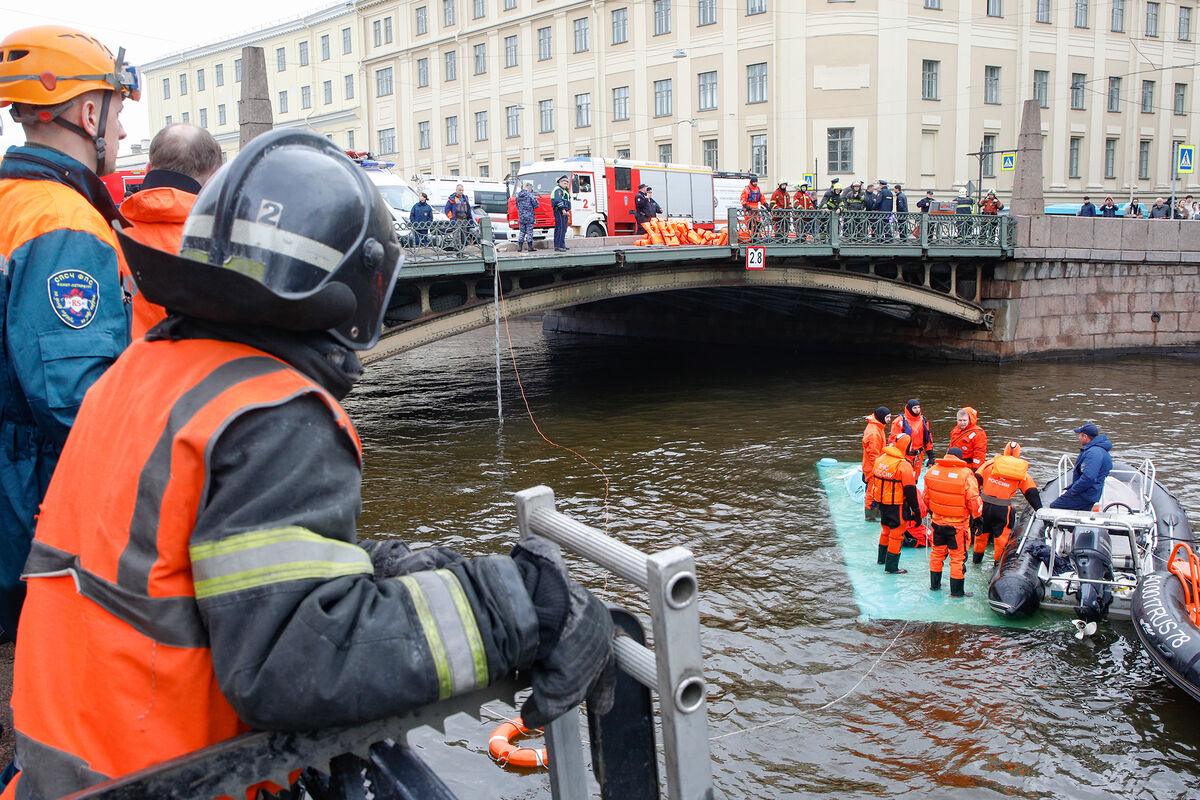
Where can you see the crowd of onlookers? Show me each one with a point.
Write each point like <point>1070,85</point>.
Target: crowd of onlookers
<point>1185,208</point>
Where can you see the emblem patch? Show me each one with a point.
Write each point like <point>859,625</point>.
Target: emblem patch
<point>74,296</point>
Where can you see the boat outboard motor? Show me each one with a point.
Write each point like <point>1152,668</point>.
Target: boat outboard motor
<point>1092,559</point>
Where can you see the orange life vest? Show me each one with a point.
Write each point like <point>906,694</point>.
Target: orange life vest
<point>114,671</point>
<point>1003,476</point>
<point>890,475</point>
<point>950,491</point>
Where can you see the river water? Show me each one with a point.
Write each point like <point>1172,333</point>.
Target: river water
<point>716,449</point>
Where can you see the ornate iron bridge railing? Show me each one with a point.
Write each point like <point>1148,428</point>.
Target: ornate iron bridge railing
<point>446,240</point>
<point>872,229</point>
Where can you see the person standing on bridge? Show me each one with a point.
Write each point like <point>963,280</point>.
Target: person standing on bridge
<point>641,209</point>
<point>560,203</point>
<point>874,439</point>
<point>952,495</point>
<point>526,203</point>
<point>893,490</point>
<point>885,202</point>
<point>964,205</point>
<point>236,595</point>
<point>781,201</point>
<point>902,208</point>
<point>804,202</point>
<point>1134,210</point>
<point>1088,209</point>
<point>1091,469</point>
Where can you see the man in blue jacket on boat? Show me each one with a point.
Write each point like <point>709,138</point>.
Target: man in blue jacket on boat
<point>1091,468</point>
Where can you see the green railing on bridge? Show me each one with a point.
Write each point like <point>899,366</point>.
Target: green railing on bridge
<point>904,233</point>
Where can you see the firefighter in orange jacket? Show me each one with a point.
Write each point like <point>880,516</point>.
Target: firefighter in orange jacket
<point>1000,479</point>
<point>182,159</point>
<point>874,439</point>
<point>894,487</point>
<point>953,498</point>
<point>914,423</point>
<point>968,437</point>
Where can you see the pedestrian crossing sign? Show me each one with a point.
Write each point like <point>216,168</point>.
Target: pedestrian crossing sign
<point>1187,158</point>
<point>809,179</point>
<point>1008,162</point>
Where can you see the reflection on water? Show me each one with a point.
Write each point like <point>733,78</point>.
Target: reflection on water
<point>715,449</point>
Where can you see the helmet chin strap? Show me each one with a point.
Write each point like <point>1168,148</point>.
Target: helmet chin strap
<point>53,113</point>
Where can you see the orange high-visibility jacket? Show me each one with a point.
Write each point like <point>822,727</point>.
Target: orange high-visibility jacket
<point>972,441</point>
<point>874,439</point>
<point>1002,477</point>
<point>157,215</point>
<point>951,492</point>
<point>890,475</point>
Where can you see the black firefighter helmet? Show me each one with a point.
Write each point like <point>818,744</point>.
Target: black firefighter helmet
<point>291,234</point>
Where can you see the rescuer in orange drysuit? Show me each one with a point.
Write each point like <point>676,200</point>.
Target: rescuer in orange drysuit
<point>953,498</point>
<point>969,437</point>
<point>914,423</point>
<point>1000,479</point>
<point>874,439</point>
<point>894,487</point>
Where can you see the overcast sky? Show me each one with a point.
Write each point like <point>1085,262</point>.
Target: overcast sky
<point>147,29</point>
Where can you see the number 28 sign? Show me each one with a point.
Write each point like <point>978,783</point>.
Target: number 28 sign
<point>756,257</point>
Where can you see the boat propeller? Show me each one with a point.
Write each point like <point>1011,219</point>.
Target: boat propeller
<point>1083,629</point>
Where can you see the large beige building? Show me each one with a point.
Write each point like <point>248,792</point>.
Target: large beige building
<point>905,90</point>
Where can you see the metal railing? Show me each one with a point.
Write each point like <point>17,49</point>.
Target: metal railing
<point>446,240</point>
<point>838,229</point>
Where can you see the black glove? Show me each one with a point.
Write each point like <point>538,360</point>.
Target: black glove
<point>392,558</point>
<point>574,658</point>
<point>929,459</point>
<point>1034,497</point>
<point>911,509</point>
<point>864,478</point>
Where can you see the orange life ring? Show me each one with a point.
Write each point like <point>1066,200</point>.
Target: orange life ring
<point>505,753</point>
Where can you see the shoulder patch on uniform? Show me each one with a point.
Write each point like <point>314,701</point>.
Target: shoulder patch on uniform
<point>74,296</point>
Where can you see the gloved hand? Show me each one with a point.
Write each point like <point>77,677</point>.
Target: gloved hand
<point>929,459</point>
<point>574,659</point>
<point>392,558</point>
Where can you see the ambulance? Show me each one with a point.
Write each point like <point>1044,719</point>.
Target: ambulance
<point>603,192</point>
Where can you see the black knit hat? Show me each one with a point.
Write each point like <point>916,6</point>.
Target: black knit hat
<point>881,413</point>
<point>955,451</point>
<point>911,404</point>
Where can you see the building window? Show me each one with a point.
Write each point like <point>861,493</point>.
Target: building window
<point>991,85</point>
<point>1144,160</point>
<point>1043,11</point>
<point>1118,16</point>
<point>451,65</point>
<point>756,83</point>
<point>620,25</point>
<point>186,118</point>
<point>302,53</point>
<point>1110,158</point>
<point>514,168</point>
<point>219,74</point>
<point>422,72</point>
<point>936,5</point>
<point>545,46</point>
<point>512,120</point>
<point>183,84</point>
<point>283,102</point>
<point>350,140</point>
<point>349,87</point>
<point>383,82</point>
<point>306,97</point>
<point>423,137</point>
<point>280,59</point>
<point>221,114</point>
<point>1081,13</point>
<point>1114,95</point>
<point>756,7</point>
<point>708,91</point>
<point>168,120</point>
<point>1078,79</point>
<point>1152,19</point>
<point>620,103</point>
<point>1180,98</point>
<point>662,17</point>
<point>987,162</point>
<point>199,80</point>
<point>480,59</point>
<point>929,79</point>
<point>841,150</point>
<point>166,88</point>
<point>346,41</point>
<point>758,154</point>
<point>327,92</point>
<point>546,116</point>
<point>1147,97</point>
<point>709,148</point>
<point>510,51</point>
<point>387,139</point>
<point>1073,157</point>
<point>447,13</point>
<point>325,47</point>
<point>204,118</point>
<point>623,153</point>
<point>509,5</point>
<point>707,12</point>
<point>484,171</point>
<point>1041,87</point>
<point>995,8</point>
<point>665,154</point>
<point>583,110</point>
<point>481,131</point>
<point>581,35</point>
<point>1185,24</point>
<point>662,98</point>
<point>422,21</point>
<point>480,9</point>
<point>452,130</point>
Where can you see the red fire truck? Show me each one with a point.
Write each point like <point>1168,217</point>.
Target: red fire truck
<point>603,192</point>
<point>123,183</point>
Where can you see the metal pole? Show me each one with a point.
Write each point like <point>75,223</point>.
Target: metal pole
<point>1174,175</point>
<point>979,186</point>
<point>496,314</point>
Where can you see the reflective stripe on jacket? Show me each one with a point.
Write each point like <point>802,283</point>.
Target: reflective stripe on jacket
<point>951,492</point>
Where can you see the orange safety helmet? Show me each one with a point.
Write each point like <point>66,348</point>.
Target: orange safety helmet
<point>1012,449</point>
<point>50,64</point>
